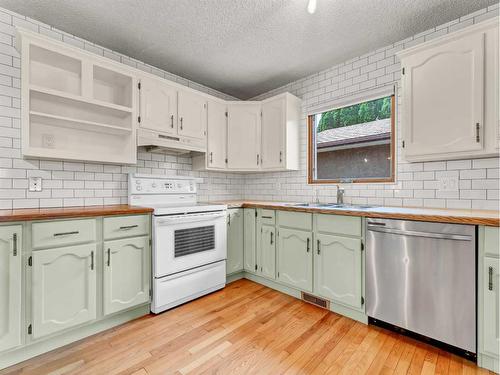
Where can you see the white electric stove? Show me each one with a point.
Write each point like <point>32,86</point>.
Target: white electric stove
<point>189,239</point>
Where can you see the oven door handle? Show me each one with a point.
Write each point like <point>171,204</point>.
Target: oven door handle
<point>184,219</point>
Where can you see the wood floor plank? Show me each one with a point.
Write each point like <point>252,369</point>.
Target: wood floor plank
<point>246,328</point>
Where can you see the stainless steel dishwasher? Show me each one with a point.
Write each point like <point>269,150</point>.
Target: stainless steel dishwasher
<point>421,276</point>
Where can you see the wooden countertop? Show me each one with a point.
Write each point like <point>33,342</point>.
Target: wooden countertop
<point>28,214</point>
<point>474,217</point>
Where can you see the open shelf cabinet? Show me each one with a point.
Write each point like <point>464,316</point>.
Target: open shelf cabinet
<point>75,105</point>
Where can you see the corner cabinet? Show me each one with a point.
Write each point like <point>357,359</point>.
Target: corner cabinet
<point>234,261</point>
<point>11,286</point>
<point>249,240</point>
<point>489,298</point>
<point>252,136</point>
<point>450,95</point>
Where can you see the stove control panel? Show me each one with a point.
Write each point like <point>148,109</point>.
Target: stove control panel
<point>158,185</point>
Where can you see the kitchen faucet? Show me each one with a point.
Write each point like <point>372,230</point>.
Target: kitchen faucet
<point>340,195</point>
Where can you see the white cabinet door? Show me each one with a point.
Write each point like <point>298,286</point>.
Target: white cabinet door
<point>243,136</point>
<point>491,311</point>
<point>273,133</point>
<point>126,273</point>
<point>216,135</point>
<point>158,106</point>
<point>443,90</point>
<point>234,241</point>
<point>267,253</point>
<point>192,115</point>
<point>295,260</point>
<point>63,288</point>
<point>337,267</point>
<point>249,240</point>
<point>10,286</point>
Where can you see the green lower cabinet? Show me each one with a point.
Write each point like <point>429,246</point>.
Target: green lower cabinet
<point>266,261</point>
<point>295,260</point>
<point>126,273</point>
<point>338,269</point>
<point>249,240</point>
<point>234,261</point>
<point>64,291</point>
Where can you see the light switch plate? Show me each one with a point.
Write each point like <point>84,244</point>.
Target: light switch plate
<point>35,184</point>
<point>448,184</point>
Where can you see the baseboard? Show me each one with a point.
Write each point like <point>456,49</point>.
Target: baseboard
<point>488,362</point>
<point>337,308</point>
<point>235,276</point>
<point>34,349</point>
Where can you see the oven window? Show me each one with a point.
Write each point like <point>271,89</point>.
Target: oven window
<point>194,240</point>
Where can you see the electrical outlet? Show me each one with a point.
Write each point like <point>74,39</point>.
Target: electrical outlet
<point>35,184</point>
<point>448,184</point>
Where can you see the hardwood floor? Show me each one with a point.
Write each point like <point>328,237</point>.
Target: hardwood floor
<point>246,328</point>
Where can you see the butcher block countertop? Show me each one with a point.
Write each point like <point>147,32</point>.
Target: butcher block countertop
<point>441,215</point>
<point>28,214</point>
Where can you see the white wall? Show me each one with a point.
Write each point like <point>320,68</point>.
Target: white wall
<point>417,183</point>
<point>78,184</point>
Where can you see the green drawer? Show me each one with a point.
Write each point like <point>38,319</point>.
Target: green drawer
<point>125,226</point>
<point>267,216</point>
<point>63,233</point>
<point>299,220</point>
<point>338,224</point>
<point>491,241</point>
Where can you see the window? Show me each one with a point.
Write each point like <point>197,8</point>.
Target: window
<point>353,143</point>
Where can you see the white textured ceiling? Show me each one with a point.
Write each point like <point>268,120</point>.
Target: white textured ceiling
<point>243,47</point>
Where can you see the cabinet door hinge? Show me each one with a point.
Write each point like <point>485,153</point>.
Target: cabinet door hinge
<point>278,274</point>
<point>255,213</point>
<point>403,71</point>
<point>256,267</point>
<point>226,113</point>
<point>362,300</point>
<point>403,144</point>
<point>150,242</point>
<point>362,246</point>
<point>139,119</point>
<point>30,330</point>
<point>30,261</point>
<point>139,85</point>
<point>150,292</point>
<point>226,160</point>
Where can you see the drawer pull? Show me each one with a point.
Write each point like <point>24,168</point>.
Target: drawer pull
<point>65,233</point>
<point>318,249</point>
<point>109,257</point>
<point>14,244</point>
<point>92,260</point>
<point>308,244</point>
<point>267,217</point>
<point>127,227</point>
<point>490,278</point>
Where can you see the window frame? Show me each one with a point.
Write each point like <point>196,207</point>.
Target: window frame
<point>311,150</point>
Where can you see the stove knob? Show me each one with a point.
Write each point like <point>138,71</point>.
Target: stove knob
<point>153,185</point>
<point>138,187</point>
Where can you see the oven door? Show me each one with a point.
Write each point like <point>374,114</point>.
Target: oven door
<point>182,242</point>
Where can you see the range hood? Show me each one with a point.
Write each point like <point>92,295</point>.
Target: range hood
<point>152,139</point>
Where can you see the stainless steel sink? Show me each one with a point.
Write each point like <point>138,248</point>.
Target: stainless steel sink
<point>331,206</point>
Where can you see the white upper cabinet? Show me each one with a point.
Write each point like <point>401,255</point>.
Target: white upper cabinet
<point>74,104</point>
<point>192,115</point>
<point>158,106</point>
<point>243,135</point>
<point>448,87</point>
<point>217,135</point>
<point>280,132</point>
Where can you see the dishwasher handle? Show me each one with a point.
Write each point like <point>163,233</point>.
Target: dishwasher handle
<point>414,233</point>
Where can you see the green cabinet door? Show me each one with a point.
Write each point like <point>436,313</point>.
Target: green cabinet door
<point>234,240</point>
<point>295,260</point>
<point>249,240</point>
<point>126,266</point>
<point>267,252</point>
<point>10,286</point>
<point>491,302</point>
<point>338,269</point>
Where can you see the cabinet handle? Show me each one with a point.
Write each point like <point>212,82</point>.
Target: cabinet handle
<point>308,244</point>
<point>14,244</point>
<point>490,278</point>
<point>272,236</point>
<point>109,257</point>
<point>211,157</point>
<point>181,122</point>
<point>172,121</point>
<point>281,156</point>
<point>318,247</point>
<point>258,158</point>
<point>126,227</point>
<point>229,219</point>
<point>66,233</point>
<point>91,260</point>
<point>478,128</point>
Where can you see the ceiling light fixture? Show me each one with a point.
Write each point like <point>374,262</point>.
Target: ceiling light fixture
<point>311,6</point>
